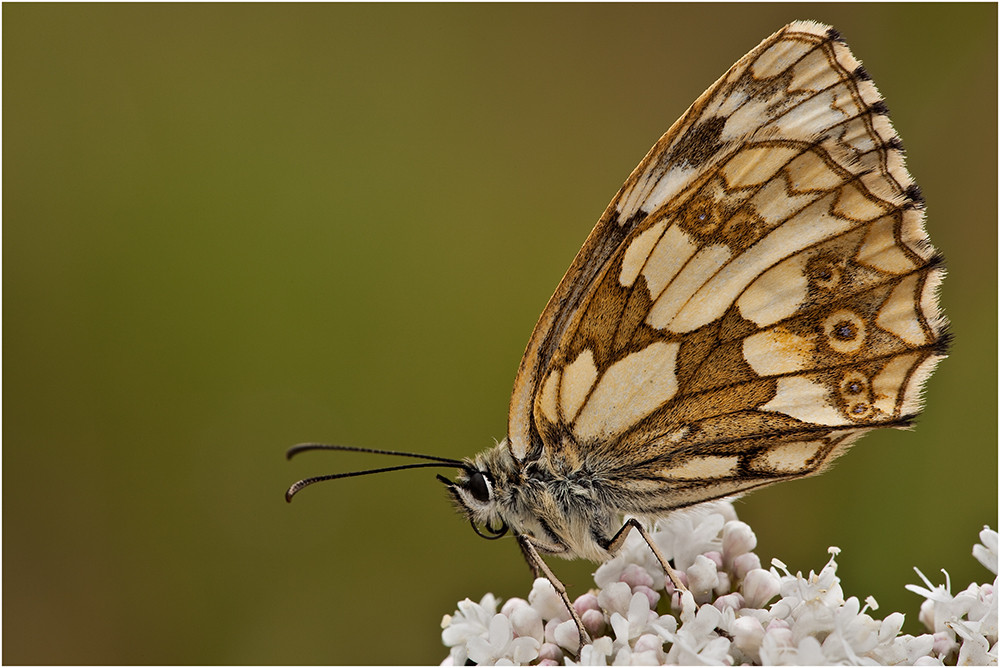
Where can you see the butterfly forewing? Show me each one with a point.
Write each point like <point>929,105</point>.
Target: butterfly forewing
<point>760,292</point>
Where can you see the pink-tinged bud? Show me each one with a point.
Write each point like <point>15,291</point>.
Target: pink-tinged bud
<point>512,604</point>
<point>927,615</point>
<point>943,644</point>
<point>550,630</point>
<point>653,596</point>
<point>759,587</point>
<point>745,563</point>
<point>716,557</point>
<point>734,601</point>
<point>669,584</point>
<point>635,576</point>
<point>586,602</point>
<point>777,625</point>
<point>593,621</point>
<point>737,538</point>
<point>550,652</point>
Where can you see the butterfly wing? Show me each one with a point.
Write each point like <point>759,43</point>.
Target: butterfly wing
<point>759,293</point>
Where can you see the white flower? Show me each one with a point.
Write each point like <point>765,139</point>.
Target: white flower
<point>975,650</point>
<point>967,621</point>
<point>734,612</point>
<point>615,598</point>
<point>634,552</point>
<point>692,532</point>
<point>778,647</point>
<point>594,654</point>
<point>636,621</point>
<point>471,620</point>
<point>500,647</point>
<point>987,552</point>
<point>748,634</point>
<point>940,610</point>
<point>696,641</point>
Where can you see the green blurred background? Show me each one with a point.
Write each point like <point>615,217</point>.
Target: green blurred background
<point>231,228</point>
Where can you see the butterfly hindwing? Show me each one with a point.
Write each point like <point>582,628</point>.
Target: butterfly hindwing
<point>759,294</point>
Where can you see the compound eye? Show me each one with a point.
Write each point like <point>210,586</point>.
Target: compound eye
<point>479,487</point>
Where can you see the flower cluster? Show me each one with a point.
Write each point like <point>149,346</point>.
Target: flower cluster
<point>734,612</point>
<point>964,625</point>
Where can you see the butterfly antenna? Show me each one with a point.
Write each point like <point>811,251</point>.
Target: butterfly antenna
<point>306,447</point>
<point>302,484</point>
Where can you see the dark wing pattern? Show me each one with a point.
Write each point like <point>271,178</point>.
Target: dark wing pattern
<point>759,293</point>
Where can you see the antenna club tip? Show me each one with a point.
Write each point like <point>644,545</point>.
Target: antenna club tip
<point>296,449</point>
<point>288,495</point>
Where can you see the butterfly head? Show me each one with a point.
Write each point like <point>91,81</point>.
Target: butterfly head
<point>480,489</point>
<point>560,514</point>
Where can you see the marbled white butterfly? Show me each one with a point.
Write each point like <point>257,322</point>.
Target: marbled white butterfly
<point>758,295</point>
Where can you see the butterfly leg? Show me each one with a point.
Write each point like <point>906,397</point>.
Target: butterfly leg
<point>541,569</point>
<point>619,539</point>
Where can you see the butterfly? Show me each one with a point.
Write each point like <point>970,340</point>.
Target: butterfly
<point>758,295</point>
